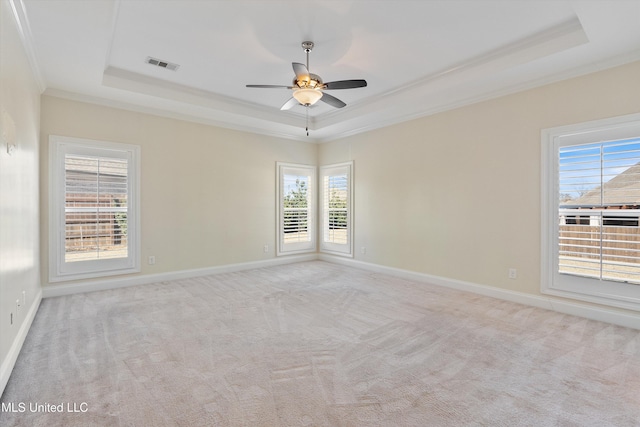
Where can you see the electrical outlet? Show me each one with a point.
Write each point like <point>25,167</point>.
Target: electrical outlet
<point>513,273</point>
<point>266,248</point>
<point>152,260</point>
<point>17,306</point>
<point>363,250</point>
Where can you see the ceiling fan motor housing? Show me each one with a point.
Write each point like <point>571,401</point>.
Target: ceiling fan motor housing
<point>310,81</point>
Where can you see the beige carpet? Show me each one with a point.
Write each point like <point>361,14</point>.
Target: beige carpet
<point>316,344</point>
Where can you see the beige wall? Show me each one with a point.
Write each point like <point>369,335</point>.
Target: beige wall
<point>19,211</point>
<point>207,194</point>
<point>457,194</point>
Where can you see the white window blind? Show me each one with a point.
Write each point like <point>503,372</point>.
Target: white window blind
<point>591,211</point>
<point>336,196</point>
<point>96,220</point>
<point>94,208</point>
<point>599,210</point>
<point>296,208</point>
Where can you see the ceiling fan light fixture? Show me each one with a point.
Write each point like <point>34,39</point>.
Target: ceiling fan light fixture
<point>307,96</point>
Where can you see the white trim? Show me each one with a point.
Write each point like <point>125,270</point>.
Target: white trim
<point>10,359</point>
<point>575,309</point>
<point>58,269</point>
<point>328,247</point>
<point>292,132</point>
<point>629,320</point>
<point>312,173</point>
<point>102,285</point>
<point>222,111</point>
<point>396,117</point>
<point>614,294</point>
<point>324,124</point>
<point>24,30</point>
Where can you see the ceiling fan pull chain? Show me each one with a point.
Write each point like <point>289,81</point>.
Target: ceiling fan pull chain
<point>307,127</point>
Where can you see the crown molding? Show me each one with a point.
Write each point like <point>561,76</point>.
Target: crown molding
<point>24,31</point>
<point>138,83</point>
<point>367,124</point>
<point>389,119</point>
<point>358,124</point>
<point>274,131</point>
<point>556,39</point>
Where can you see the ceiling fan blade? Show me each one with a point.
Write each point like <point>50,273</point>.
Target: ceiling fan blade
<point>301,70</point>
<point>290,104</point>
<point>271,86</point>
<point>345,84</point>
<point>332,100</point>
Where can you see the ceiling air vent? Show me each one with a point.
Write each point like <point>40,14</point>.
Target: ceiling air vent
<point>162,64</point>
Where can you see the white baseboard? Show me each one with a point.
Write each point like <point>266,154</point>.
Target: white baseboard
<point>602,314</point>
<point>599,313</point>
<point>10,359</point>
<point>105,284</point>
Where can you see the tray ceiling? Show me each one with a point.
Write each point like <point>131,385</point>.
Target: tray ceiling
<point>418,57</point>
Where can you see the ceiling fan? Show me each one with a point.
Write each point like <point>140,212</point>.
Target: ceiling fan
<point>308,88</point>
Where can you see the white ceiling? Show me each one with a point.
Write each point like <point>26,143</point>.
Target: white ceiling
<point>418,57</point>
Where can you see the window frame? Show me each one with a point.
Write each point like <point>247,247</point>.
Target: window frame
<point>59,270</point>
<point>283,169</point>
<point>600,291</point>
<point>332,247</point>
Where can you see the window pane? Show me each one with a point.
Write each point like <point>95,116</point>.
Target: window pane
<point>599,193</point>
<point>95,208</point>
<point>336,203</point>
<point>296,209</point>
<point>336,197</point>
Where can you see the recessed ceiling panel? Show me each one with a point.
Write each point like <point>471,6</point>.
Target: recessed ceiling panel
<point>413,54</point>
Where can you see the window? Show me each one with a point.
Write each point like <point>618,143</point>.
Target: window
<point>296,208</point>
<point>94,208</point>
<point>336,201</point>
<point>590,211</point>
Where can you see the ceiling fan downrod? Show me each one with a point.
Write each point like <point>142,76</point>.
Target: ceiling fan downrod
<point>307,46</point>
